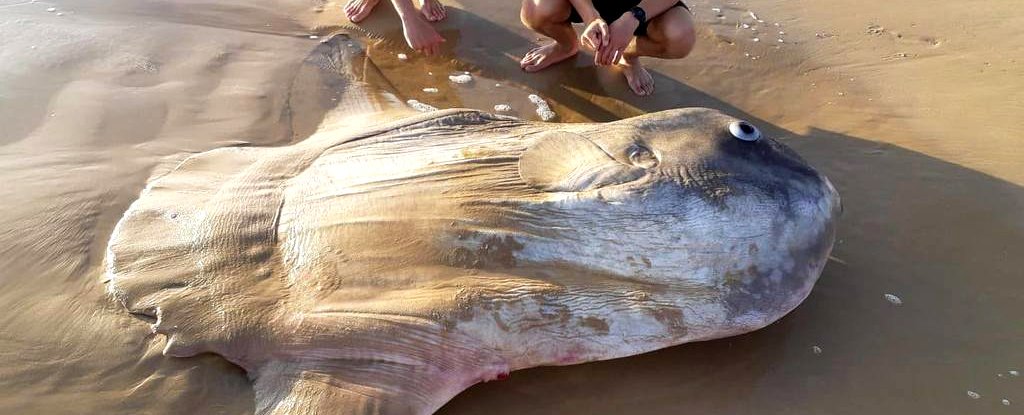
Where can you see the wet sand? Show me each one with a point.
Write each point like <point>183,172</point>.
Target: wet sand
<point>912,109</point>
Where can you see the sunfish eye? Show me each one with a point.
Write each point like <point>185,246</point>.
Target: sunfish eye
<point>642,156</point>
<point>744,131</point>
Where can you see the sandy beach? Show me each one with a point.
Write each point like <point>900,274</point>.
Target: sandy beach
<point>912,108</point>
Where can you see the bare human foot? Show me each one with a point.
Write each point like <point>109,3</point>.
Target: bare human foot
<point>640,81</point>
<point>433,10</point>
<point>547,55</point>
<point>357,10</point>
<point>421,36</point>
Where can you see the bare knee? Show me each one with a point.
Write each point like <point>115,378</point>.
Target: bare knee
<point>674,32</point>
<point>679,42</point>
<point>539,13</point>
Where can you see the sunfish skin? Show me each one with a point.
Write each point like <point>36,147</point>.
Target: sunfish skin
<point>385,269</point>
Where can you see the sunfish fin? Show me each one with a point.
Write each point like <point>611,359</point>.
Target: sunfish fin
<point>566,162</point>
<point>381,364</point>
<point>346,387</point>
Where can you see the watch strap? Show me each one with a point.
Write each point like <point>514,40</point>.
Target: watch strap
<point>639,13</point>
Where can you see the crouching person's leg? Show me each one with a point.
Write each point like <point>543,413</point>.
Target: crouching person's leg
<point>670,35</point>
<point>549,18</point>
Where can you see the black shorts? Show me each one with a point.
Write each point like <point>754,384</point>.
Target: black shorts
<point>610,10</point>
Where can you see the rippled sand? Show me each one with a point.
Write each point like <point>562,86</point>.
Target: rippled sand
<point>912,108</point>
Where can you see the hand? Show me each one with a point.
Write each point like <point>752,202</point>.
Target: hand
<point>595,35</point>
<point>620,34</point>
<point>421,36</point>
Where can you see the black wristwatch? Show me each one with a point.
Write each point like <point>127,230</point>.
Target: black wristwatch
<point>639,14</point>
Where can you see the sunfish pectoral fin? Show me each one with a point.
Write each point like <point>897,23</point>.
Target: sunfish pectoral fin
<point>566,162</point>
<point>348,387</point>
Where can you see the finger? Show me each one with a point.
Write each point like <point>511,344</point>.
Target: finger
<point>605,38</point>
<point>609,55</point>
<point>604,57</point>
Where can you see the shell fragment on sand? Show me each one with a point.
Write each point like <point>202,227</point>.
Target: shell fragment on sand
<point>419,106</point>
<point>502,108</point>
<point>543,109</point>
<point>402,56</point>
<point>464,78</point>
<point>973,395</point>
<point>893,299</point>
<point>430,90</point>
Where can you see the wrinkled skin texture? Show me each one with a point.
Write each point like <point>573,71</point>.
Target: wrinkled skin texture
<point>384,269</point>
